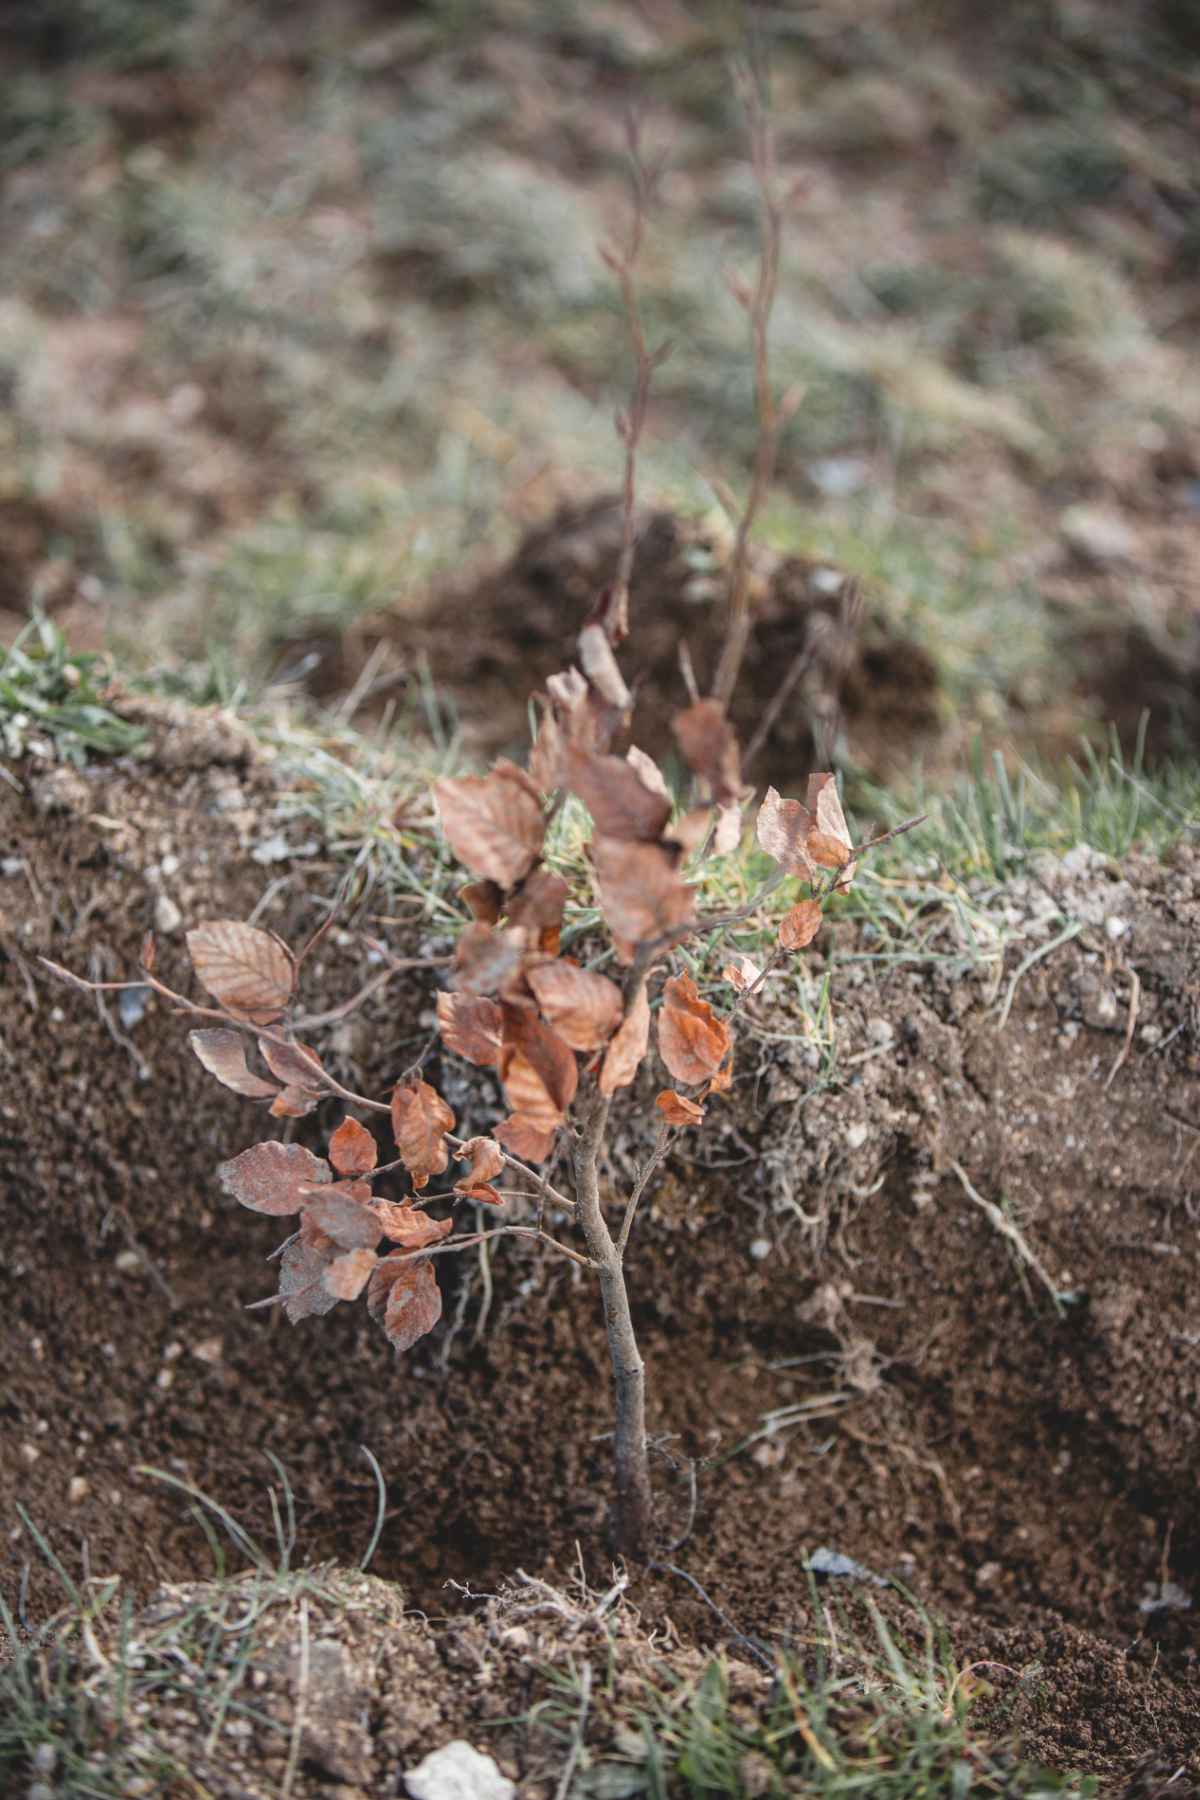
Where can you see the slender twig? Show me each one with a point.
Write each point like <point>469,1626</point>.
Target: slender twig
<point>1007,1229</point>
<point>1135,996</point>
<point>631,422</point>
<point>772,414</point>
<point>310,1021</point>
<point>639,1187</point>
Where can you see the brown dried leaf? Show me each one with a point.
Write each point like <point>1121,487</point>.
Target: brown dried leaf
<point>273,1177</point>
<point>801,925</point>
<point>538,910</point>
<point>405,1297</point>
<point>649,772</point>
<point>482,900</point>
<point>487,958</point>
<point>598,663</point>
<point>485,1157</point>
<point>538,1070</point>
<point>710,748</point>
<point>350,1224</point>
<point>294,1103</point>
<point>420,1121</point>
<point>247,971</point>
<point>493,823</point>
<point>721,1082</point>
<point>783,827</point>
<point>409,1227</point>
<point>352,1149</point>
<point>690,831</point>
<point>223,1054</point>
<point>526,1138</point>
<point>546,756</point>
<point>615,794</point>
<point>347,1276</point>
<point>583,1007</point>
<point>826,851</point>
<point>742,973</point>
<point>470,1026</point>
<point>294,1064</point>
<point>641,894</point>
<point>728,834</point>
<point>692,1040</point>
<point>625,1053</point>
<point>677,1109</point>
<point>302,1282</point>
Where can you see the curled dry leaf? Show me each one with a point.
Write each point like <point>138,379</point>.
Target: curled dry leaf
<point>407,1226</point>
<point>352,1149</point>
<point>691,830</point>
<point>487,1160</point>
<point>470,1026</point>
<point>641,893</point>
<point>598,663</point>
<point>294,1064</point>
<point>420,1121</point>
<point>348,1222</point>
<point>677,1109</point>
<point>482,900</point>
<point>223,1054</point>
<point>302,1281</point>
<point>346,1276</point>
<point>648,769</point>
<point>404,1296</point>
<point>624,1055</point>
<point>612,789</point>
<point>294,1103</point>
<point>526,1138</point>
<point>825,803</point>
<point>826,851</point>
<point>538,910</point>
<point>721,1082</point>
<point>800,926</point>
<point>728,834</point>
<point>486,958</point>
<point>742,973</point>
<point>546,756</point>
<point>273,1178</point>
<point>783,827</point>
<point>247,971</point>
<point>493,823</point>
<point>692,1040</point>
<point>710,748</point>
<point>583,1007</point>
<point>538,1070</point>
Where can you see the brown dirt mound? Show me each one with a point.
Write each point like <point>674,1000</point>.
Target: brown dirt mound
<point>851,1346</point>
<point>493,644</point>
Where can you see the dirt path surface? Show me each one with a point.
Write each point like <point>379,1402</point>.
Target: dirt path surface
<point>924,1294</point>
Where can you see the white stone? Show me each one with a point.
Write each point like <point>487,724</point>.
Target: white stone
<point>1097,536</point>
<point>167,916</point>
<point>458,1772</point>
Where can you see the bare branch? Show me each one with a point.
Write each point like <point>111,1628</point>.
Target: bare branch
<point>772,414</point>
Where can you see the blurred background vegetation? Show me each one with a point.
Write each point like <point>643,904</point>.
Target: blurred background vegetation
<point>304,329</point>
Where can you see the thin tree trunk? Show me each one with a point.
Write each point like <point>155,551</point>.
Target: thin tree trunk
<point>634,1504</point>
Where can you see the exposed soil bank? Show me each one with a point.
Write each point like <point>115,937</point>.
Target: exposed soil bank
<point>848,1340</point>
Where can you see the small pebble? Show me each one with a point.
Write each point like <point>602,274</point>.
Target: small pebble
<point>78,1489</point>
<point>760,1248</point>
<point>167,916</point>
<point>857,1135</point>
